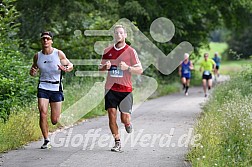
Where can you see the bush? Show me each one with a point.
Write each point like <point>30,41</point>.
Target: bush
<point>15,87</point>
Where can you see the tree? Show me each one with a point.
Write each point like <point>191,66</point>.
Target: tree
<point>240,45</point>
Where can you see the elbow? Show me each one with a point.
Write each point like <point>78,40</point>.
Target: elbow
<point>141,71</point>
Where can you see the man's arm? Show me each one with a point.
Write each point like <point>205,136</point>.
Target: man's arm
<point>179,70</point>
<point>214,65</point>
<point>34,67</point>
<point>104,67</point>
<point>65,65</point>
<point>191,66</point>
<point>200,69</point>
<point>136,69</point>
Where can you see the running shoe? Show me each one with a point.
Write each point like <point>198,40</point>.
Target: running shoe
<point>128,128</point>
<point>46,145</point>
<point>117,147</point>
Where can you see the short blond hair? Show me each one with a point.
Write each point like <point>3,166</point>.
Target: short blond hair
<point>120,26</point>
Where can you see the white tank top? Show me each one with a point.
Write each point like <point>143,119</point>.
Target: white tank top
<point>50,75</point>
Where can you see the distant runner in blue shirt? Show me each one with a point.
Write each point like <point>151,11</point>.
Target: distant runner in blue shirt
<point>217,61</point>
<point>185,72</point>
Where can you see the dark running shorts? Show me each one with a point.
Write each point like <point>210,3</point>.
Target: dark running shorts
<point>121,100</point>
<point>186,76</point>
<point>207,77</point>
<point>53,96</point>
<point>217,67</point>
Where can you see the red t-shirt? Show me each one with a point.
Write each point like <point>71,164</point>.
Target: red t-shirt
<point>117,79</point>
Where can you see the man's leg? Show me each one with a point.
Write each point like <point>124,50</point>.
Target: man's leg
<point>112,113</point>
<point>43,107</point>
<point>209,83</point>
<point>55,112</point>
<point>183,80</point>
<point>187,86</point>
<point>204,86</point>
<point>125,118</point>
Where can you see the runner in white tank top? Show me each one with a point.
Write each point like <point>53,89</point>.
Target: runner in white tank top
<point>50,62</point>
<point>50,75</point>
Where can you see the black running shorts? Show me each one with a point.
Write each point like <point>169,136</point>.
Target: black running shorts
<point>53,96</point>
<point>121,100</point>
<point>207,77</point>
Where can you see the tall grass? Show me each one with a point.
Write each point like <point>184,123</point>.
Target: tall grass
<point>226,126</point>
<point>21,127</point>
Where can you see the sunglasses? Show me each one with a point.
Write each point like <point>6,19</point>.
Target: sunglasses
<point>46,38</point>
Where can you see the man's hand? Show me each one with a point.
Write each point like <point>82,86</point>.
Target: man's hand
<point>63,68</point>
<point>123,66</point>
<point>105,66</point>
<point>33,71</point>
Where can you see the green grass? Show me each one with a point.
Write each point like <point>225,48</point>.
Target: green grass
<point>214,47</point>
<point>226,126</point>
<point>227,67</point>
<point>231,67</point>
<point>21,128</point>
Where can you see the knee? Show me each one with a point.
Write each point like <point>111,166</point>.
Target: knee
<point>54,122</point>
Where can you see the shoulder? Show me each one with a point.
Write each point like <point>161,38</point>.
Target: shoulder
<point>61,54</point>
<point>128,47</point>
<point>35,57</point>
<point>131,50</point>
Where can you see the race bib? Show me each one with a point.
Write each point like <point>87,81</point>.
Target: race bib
<point>115,73</point>
<point>206,73</point>
<point>186,71</point>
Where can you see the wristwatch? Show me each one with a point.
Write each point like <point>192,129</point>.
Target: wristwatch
<point>129,68</point>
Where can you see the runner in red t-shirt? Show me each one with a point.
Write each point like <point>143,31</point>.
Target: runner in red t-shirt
<point>120,60</point>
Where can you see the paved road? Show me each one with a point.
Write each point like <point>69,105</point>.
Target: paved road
<point>160,137</point>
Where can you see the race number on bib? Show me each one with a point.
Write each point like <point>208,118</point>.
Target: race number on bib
<point>116,73</point>
<point>206,73</point>
<point>186,71</point>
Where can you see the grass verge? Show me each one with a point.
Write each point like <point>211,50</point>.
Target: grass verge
<point>226,126</point>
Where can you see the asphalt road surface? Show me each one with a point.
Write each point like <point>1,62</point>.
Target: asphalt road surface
<point>162,133</point>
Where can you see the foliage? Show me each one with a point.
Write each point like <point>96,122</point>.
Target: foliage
<point>15,87</point>
<point>193,20</point>
<point>13,136</point>
<point>240,44</point>
<point>225,126</point>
